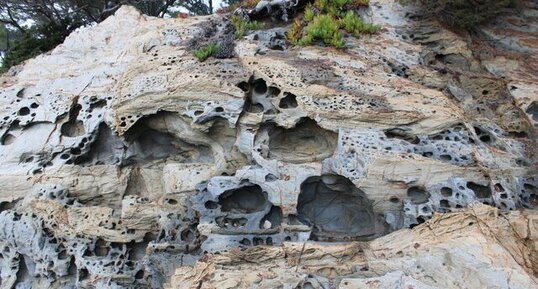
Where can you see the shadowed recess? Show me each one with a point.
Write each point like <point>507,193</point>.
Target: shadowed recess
<point>306,142</point>
<point>337,210</point>
<point>244,200</point>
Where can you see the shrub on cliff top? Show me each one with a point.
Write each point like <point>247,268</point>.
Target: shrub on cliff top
<point>324,20</point>
<point>324,28</point>
<point>463,13</point>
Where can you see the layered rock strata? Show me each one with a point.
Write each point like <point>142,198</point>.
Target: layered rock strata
<point>125,161</point>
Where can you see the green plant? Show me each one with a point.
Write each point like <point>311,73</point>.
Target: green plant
<point>242,26</point>
<point>359,3</point>
<point>295,32</point>
<point>207,51</point>
<point>331,6</point>
<point>34,41</point>
<point>463,13</point>
<point>309,13</point>
<point>323,28</point>
<point>341,3</point>
<point>353,24</point>
<point>322,5</point>
<point>323,20</point>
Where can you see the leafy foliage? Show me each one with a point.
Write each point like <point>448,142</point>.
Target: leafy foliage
<point>37,40</point>
<point>242,25</point>
<point>4,38</point>
<point>463,13</point>
<point>324,20</point>
<point>207,51</point>
<point>324,28</point>
<point>353,24</point>
<point>295,32</point>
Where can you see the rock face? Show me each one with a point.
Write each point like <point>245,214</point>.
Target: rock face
<point>127,163</point>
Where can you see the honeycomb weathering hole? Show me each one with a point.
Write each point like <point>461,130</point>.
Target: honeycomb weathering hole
<point>480,191</point>
<point>272,219</point>
<point>73,127</point>
<point>289,101</point>
<point>244,200</point>
<point>306,142</point>
<point>418,195</point>
<point>7,140</point>
<point>337,210</point>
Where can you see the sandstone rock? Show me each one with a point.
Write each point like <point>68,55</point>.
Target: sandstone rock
<point>476,248</point>
<point>127,163</point>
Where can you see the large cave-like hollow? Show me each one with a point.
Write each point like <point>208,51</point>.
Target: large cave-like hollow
<point>158,137</point>
<point>337,210</point>
<point>306,142</point>
<point>244,200</point>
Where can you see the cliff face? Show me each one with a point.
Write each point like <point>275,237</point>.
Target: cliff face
<point>127,163</point>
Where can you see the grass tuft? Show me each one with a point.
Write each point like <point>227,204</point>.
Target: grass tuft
<point>353,24</point>
<point>242,26</point>
<point>324,20</point>
<point>323,28</point>
<point>207,51</point>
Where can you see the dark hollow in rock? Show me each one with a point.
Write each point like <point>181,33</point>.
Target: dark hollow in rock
<point>244,200</point>
<point>23,273</point>
<point>337,210</point>
<point>101,248</point>
<point>402,134</point>
<point>529,196</point>
<point>24,111</point>
<point>259,86</point>
<point>481,192</point>
<point>151,144</point>
<point>107,148</point>
<point>146,141</point>
<point>211,205</point>
<point>73,127</point>
<point>483,135</point>
<point>274,217</point>
<point>289,101</point>
<point>306,142</point>
<point>154,138</point>
<point>418,195</point>
<point>446,192</point>
<point>454,61</point>
<point>224,222</point>
<point>137,251</point>
<point>7,139</point>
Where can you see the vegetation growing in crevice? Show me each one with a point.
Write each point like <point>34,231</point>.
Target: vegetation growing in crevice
<point>463,13</point>
<point>324,21</point>
<point>207,51</point>
<point>242,25</point>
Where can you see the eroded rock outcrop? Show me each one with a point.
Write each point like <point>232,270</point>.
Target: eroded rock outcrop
<point>124,160</point>
<point>489,250</point>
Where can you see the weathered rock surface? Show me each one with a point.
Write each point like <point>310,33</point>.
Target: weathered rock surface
<point>125,161</point>
<point>477,248</point>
